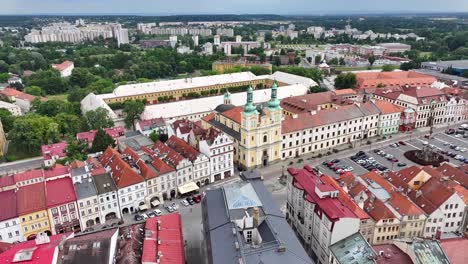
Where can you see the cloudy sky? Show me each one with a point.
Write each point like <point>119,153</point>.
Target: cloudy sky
<point>231,7</point>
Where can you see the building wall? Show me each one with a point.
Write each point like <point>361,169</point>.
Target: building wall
<point>412,226</point>
<point>447,218</point>
<point>389,124</point>
<point>11,231</point>
<point>386,230</point>
<point>366,228</point>
<point>201,169</point>
<point>34,223</point>
<point>88,209</point>
<point>260,142</point>
<point>64,218</point>
<point>108,203</point>
<point>221,155</point>
<point>2,139</point>
<point>131,197</point>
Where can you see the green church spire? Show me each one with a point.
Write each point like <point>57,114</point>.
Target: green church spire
<point>274,103</point>
<point>250,108</point>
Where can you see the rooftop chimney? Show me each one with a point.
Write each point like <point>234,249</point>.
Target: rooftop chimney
<point>256,217</point>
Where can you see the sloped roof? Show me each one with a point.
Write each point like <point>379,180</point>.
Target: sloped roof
<point>28,175</point>
<point>121,171</point>
<point>25,204</point>
<point>60,191</point>
<point>8,208</point>
<point>387,107</point>
<point>454,174</point>
<point>183,148</point>
<point>167,154</point>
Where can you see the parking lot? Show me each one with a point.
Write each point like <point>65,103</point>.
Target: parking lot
<point>439,142</point>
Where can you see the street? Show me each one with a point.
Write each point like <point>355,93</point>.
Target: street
<point>20,165</point>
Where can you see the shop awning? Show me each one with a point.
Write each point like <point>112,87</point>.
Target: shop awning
<point>189,187</point>
<point>155,203</point>
<point>143,207</point>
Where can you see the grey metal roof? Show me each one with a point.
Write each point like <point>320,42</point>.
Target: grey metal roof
<point>353,249</point>
<point>222,234</point>
<point>104,183</point>
<point>135,142</point>
<point>231,132</point>
<point>85,188</point>
<point>241,196</point>
<point>78,171</point>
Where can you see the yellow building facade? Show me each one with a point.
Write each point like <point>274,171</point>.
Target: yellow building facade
<point>34,223</point>
<point>260,132</point>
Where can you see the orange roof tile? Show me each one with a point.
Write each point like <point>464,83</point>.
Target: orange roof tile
<point>234,114</point>
<point>183,148</point>
<point>387,107</point>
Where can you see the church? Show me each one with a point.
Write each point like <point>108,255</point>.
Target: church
<point>256,129</point>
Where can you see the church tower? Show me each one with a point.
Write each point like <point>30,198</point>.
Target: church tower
<point>227,98</point>
<point>260,131</point>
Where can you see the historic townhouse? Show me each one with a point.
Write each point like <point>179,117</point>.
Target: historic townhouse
<point>33,213</point>
<point>457,109</point>
<point>316,213</point>
<point>10,229</point>
<point>307,132</point>
<point>126,175</point>
<point>107,195</point>
<point>428,103</point>
<point>28,177</point>
<point>389,119</point>
<point>61,206</point>
<point>182,166</point>
<point>201,163</point>
<point>87,200</point>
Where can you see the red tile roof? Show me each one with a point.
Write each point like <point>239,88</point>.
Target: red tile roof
<point>327,116</point>
<point>345,91</point>
<point>454,174</point>
<point>397,200</point>
<point>309,102</point>
<point>377,209</point>
<point>145,170</point>
<point>60,191</point>
<point>168,155</point>
<point>25,204</point>
<point>77,164</point>
<point>306,180</point>
<point>431,195</point>
<point>122,173</point>
<point>28,175</point>
<point>41,254</point>
<point>388,108</point>
<point>208,117</point>
<point>10,92</point>
<point>62,66</point>
<point>455,249</point>
<point>161,166</point>
<point>113,132</point>
<point>171,243</point>
<point>4,246</point>
<point>6,181</point>
<point>373,79</point>
<point>183,148</point>
<point>152,122</point>
<point>183,125</point>
<point>8,208</point>
<point>234,114</point>
<point>57,171</point>
<point>57,149</point>
<point>344,198</point>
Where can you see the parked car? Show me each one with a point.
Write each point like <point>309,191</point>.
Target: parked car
<point>401,164</point>
<point>450,131</point>
<point>402,143</point>
<point>139,217</point>
<point>157,212</point>
<point>151,214</point>
<point>190,200</point>
<point>174,206</point>
<point>335,160</point>
<point>197,198</point>
<point>184,202</point>
<point>168,208</point>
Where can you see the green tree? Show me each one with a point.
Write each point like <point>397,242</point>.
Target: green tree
<point>345,80</point>
<point>257,70</point>
<point>132,110</point>
<point>101,141</point>
<point>50,81</point>
<point>49,108</point>
<point>101,86</point>
<point>98,119</point>
<point>154,136</point>
<point>81,77</point>
<point>4,77</point>
<point>371,60</point>
<point>69,124</point>
<point>317,89</point>
<point>76,150</point>
<point>34,90</point>
<point>388,68</point>
<point>31,131</point>
<point>7,119</point>
<point>406,66</point>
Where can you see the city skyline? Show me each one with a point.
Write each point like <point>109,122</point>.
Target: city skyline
<point>295,7</point>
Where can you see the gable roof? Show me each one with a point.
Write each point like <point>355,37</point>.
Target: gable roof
<point>25,204</point>
<point>8,208</point>
<point>387,107</point>
<point>168,155</point>
<point>454,174</point>
<point>183,148</point>
<point>234,114</point>
<point>120,171</point>
<point>59,191</point>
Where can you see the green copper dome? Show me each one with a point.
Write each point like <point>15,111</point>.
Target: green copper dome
<point>274,103</point>
<point>250,108</point>
<point>227,95</point>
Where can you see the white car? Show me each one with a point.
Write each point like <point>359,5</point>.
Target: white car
<point>184,202</point>
<point>425,143</point>
<point>458,135</point>
<point>157,212</point>
<point>457,157</point>
<point>145,216</point>
<point>361,161</point>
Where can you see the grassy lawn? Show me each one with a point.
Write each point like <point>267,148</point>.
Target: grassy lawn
<point>425,53</point>
<point>357,68</point>
<point>17,154</point>
<point>60,97</point>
